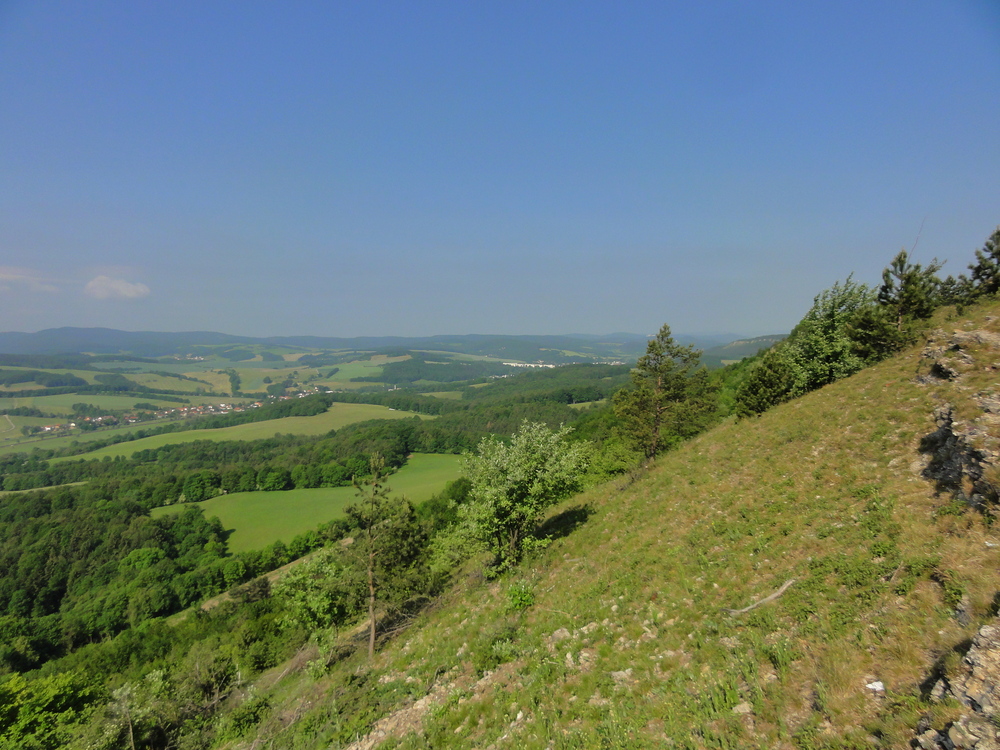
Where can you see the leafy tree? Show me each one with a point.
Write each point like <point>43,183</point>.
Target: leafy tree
<point>514,482</point>
<point>820,349</point>
<point>667,398</point>
<point>318,592</point>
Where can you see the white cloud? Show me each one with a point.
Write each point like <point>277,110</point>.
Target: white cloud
<point>34,281</point>
<point>104,287</point>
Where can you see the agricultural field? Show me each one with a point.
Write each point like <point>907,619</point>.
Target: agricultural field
<point>587,404</point>
<point>87,375</point>
<point>20,444</point>
<point>164,383</point>
<point>259,518</point>
<point>339,415</point>
<point>448,395</point>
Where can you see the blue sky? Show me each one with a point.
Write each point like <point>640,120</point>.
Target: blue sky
<point>417,168</point>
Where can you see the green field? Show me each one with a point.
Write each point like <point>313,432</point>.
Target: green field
<point>63,402</point>
<point>339,415</point>
<point>21,444</point>
<point>259,518</point>
<point>449,395</point>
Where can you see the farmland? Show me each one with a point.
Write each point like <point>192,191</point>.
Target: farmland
<point>260,518</point>
<point>339,415</point>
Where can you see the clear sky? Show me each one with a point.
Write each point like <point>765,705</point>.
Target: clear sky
<point>424,167</point>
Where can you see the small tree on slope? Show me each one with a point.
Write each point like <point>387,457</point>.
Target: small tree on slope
<point>513,483</point>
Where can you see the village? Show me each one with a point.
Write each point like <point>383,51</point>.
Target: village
<point>134,416</point>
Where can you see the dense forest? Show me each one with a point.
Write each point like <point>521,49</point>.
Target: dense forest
<point>102,639</point>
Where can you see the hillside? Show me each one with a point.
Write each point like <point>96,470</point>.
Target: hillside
<point>734,351</point>
<point>635,627</point>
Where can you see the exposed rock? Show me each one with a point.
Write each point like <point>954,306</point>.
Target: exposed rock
<point>977,686</point>
<point>623,676</point>
<point>958,464</point>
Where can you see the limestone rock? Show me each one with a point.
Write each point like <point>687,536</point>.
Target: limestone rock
<point>978,687</point>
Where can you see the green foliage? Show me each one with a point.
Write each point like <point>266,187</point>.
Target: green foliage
<point>520,596</point>
<point>769,382</point>
<point>388,546</point>
<point>908,290</point>
<point>820,349</point>
<point>670,398</point>
<point>986,269</point>
<point>514,482</point>
<point>497,646</point>
<point>319,592</point>
<point>39,714</point>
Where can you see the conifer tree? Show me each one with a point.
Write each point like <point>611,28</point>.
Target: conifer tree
<point>389,543</point>
<point>908,289</point>
<point>986,269</point>
<point>665,397</point>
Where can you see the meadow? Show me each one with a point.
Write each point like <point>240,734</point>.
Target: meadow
<point>257,519</point>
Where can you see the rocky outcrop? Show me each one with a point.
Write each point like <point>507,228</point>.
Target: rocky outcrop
<point>958,465</point>
<point>964,453</point>
<point>977,687</point>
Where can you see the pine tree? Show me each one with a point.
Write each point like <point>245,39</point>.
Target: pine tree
<point>665,397</point>
<point>986,269</point>
<point>389,544</point>
<point>908,289</point>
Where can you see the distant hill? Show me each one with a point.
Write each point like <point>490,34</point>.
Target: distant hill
<point>718,356</point>
<point>549,349</point>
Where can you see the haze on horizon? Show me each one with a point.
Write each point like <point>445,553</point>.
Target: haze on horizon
<point>390,168</point>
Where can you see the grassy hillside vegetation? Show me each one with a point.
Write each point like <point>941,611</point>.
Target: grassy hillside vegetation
<point>800,560</point>
<point>636,627</point>
<point>258,519</point>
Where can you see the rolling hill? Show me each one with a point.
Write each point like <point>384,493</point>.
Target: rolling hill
<point>810,579</point>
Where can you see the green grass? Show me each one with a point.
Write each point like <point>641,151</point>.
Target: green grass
<point>259,518</point>
<point>449,395</point>
<point>588,404</point>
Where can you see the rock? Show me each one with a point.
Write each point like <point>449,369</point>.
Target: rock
<point>624,676</point>
<point>742,708</point>
<point>963,612</point>
<point>978,687</point>
<point>877,687</point>
<point>560,635</point>
<point>939,691</point>
<point>929,740</point>
<point>972,733</point>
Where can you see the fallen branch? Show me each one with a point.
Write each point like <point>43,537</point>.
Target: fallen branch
<point>765,600</point>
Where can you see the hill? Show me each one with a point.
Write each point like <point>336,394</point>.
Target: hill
<point>718,356</point>
<point>808,579</point>
<point>548,349</point>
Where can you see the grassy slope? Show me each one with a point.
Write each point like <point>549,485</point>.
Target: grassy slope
<point>336,417</point>
<point>826,490</point>
<point>260,518</point>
